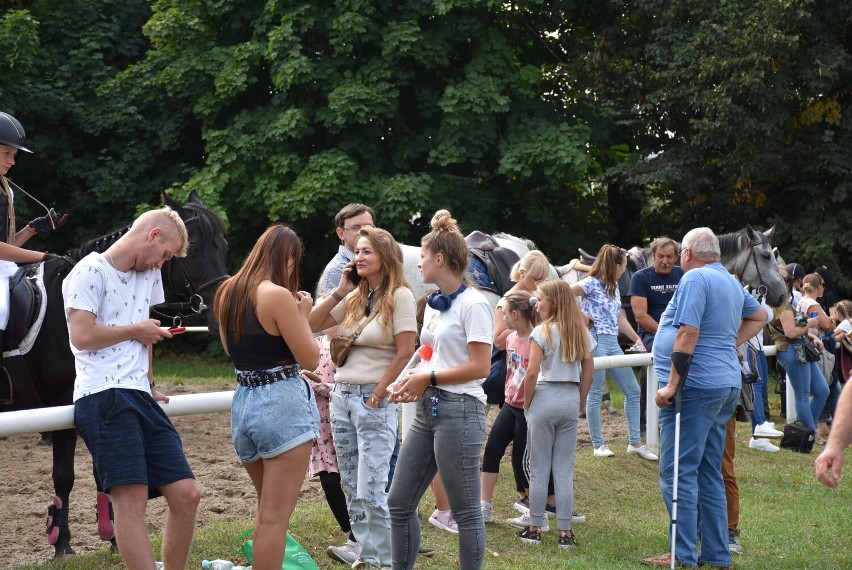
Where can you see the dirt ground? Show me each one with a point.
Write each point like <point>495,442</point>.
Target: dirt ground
<point>226,490</point>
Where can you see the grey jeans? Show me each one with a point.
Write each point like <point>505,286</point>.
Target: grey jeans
<point>551,443</point>
<point>446,437</point>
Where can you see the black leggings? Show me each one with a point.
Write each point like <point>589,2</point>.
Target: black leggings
<point>510,426</point>
<point>336,499</point>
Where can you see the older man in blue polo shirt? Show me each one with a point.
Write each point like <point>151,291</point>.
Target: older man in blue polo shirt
<point>695,349</point>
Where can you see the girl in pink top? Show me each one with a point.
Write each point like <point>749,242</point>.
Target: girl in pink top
<point>510,425</point>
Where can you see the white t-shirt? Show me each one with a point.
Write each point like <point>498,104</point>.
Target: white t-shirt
<point>116,299</point>
<point>553,368</point>
<point>845,326</point>
<point>469,319</point>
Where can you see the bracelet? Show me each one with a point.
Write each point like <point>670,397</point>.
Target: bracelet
<point>336,297</point>
<point>153,384</point>
<point>433,380</point>
<point>374,399</point>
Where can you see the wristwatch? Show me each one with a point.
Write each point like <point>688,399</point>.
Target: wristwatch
<point>432,379</point>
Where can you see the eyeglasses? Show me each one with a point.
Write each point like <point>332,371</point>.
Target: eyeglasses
<point>356,229</point>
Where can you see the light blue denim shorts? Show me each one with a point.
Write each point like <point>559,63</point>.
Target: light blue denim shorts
<point>271,419</point>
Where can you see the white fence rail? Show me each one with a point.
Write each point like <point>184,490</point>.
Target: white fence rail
<point>62,417</point>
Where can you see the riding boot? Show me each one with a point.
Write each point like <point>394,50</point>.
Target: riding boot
<point>5,380</point>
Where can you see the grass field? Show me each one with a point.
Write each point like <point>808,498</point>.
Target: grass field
<point>787,519</point>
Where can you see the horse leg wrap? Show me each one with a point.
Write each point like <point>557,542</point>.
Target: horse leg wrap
<point>54,520</point>
<point>106,530</point>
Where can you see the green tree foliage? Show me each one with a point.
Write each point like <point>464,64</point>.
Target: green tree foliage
<point>408,106</point>
<point>737,116</point>
<point>571,123</point>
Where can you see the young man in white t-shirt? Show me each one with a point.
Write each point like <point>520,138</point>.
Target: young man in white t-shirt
<point>135,448</point>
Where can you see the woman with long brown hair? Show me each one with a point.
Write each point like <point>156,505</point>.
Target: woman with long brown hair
<point>263,324</point>
<point>600,301</point>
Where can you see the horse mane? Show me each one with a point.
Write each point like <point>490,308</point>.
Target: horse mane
<point>730,243</point>
<point>98,244</point>
<point>210,224</point>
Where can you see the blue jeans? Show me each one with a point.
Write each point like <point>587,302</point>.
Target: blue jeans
<point>450,443</point>
<point>807,380</point>
<point>830,407</point>
<point>761,391</point>
<point>364,440</point>
<point>701,489</point>
<point>626,380</point>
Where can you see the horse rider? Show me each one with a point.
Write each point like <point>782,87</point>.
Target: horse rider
<point>12,139</point>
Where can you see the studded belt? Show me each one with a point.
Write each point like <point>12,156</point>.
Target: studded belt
<point>256,378</point>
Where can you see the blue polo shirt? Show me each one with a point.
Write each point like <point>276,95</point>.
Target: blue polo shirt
<point>713,301</point>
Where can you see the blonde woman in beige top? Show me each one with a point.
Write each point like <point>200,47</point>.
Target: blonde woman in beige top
<point>363,420</point>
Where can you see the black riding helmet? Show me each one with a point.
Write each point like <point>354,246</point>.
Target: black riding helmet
<point>12,133</point>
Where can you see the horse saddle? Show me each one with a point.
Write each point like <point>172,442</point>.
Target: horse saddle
<point>586,258</point>
<point>490,263</point>
<point>26,309</point>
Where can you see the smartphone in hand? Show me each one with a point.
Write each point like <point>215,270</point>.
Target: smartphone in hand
<point>354,277</point>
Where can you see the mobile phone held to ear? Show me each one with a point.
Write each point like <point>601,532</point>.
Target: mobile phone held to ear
<point>354,277</point>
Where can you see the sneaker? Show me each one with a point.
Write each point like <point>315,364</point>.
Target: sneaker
<point>487,511</point>
<point>426,551</point>
<point>734,543</point>
<point>662,561</point>
<point>522,505</point>
<point>347,554</point>
<point>523,521</point>
<point>761,444</point>
<point>577,518</point>
<point>766,430</point>
<point>603,451</point>
<point>444,520</point>
<point>567,540</point>
<point>642,451</point>
<point>530,536</point>
<point>550,511</point>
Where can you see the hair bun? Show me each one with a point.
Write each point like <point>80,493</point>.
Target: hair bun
<point>444,221</point>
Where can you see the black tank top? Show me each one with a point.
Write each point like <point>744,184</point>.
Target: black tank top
<point>257,349</point>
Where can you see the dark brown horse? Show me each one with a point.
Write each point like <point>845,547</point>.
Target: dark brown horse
<point>44,376</point>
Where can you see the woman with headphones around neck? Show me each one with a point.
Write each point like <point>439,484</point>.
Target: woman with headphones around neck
<point>449,426</point>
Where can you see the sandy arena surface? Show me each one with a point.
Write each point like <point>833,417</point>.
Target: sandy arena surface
<point>226,490</point>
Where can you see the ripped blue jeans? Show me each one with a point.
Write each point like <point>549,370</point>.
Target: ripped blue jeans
<point>363,440</point>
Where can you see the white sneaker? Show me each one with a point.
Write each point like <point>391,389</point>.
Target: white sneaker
<point>487,511</point>
<point>761,444</point>
<point>523,521</point>
<point>642,451</point>
<point>766,430</point>
<point>444,520</point>
<point>347,554</point>
<point>603,451</point>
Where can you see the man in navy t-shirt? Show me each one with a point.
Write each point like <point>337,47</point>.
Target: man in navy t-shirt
<point>652,288</point>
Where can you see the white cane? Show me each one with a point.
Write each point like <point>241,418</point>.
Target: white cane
<point>678,402</point>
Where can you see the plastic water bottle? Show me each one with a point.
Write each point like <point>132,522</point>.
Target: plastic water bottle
<point>222,565</point>
<point>422,354</point>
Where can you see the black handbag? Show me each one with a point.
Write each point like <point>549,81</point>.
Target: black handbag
<point>798,437</point>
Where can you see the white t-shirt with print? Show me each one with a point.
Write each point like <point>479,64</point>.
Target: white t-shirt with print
<point>116,299</point>
<point>469,319</point>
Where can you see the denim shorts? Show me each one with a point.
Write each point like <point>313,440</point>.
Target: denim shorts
<point>272,419</point>
<point>131,439</point>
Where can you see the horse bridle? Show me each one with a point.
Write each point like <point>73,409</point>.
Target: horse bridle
<point>195,305</point>
<point>762,289</point>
